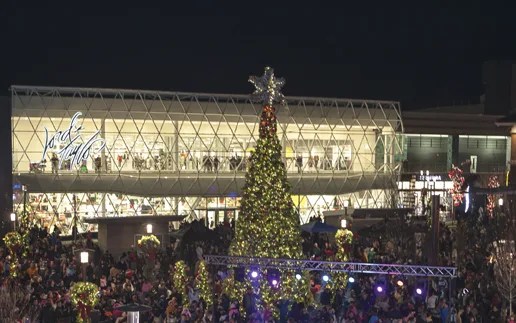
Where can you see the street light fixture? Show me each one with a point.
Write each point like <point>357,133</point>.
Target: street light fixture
<point>344,221</point>
<point>84,257</point>
<point>13,220</point>
<point>346,205</point>
<point>500,201</point>
<point>148,228</point>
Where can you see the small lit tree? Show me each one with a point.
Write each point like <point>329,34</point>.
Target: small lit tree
<point>503,255</point>
<point>344,241</point>
<point>202,283</point>
<point>180,280</point>
<point>456,174</point>
<point>492,183</point>
<point>505,270</point>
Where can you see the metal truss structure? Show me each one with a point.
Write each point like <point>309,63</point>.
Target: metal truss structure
<point>157,143</point>
<point>329,266</point>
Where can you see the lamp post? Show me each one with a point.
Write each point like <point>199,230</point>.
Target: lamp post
<point>24,189</point>
<point>344,220</point>
<point>425,188</point>
<point>511,269</point>
<point>344,223</point>
<point>84,257</point>
<point>84,262</point>
<point>13,220</point>
<point>75,230</point>
<point>133,311</point>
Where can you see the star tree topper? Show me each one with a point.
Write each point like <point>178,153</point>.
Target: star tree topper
<point>267,87</point>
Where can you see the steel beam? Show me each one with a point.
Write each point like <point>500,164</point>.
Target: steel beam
<point>331,266</point>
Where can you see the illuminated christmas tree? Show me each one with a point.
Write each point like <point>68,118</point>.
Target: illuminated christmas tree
<point>203,285</point>
<point>180,280</point>
<point>344,241</point>
<point>268,224</point>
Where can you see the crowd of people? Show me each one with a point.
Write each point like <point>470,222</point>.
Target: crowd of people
<point>52,267</point>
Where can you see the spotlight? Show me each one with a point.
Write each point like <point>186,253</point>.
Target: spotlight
<point>298,276</point>
<point>421,288</point>
<point>399,282</point>
<point>253,273</point>
<point>380,286</point>
<point>325,278</point>
<point>351,279</point>
<point>273,276</point>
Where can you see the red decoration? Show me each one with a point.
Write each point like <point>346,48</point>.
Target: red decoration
<point>493,182</point>
<point>457,177</point>
<point>268,124</point>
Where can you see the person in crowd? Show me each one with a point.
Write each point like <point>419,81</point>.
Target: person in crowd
<point>51,268</point>
<point>98,164</point>
<point>54,161</point>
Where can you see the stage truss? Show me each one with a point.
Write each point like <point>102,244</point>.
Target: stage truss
<point>330,266</point>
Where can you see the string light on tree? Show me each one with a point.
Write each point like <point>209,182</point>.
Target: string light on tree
<point>17,246</point>
<point>457,177</point>
<point>492,183</point>
<point>344,242</point>
<point>180,280</point>
<point>203,285</point>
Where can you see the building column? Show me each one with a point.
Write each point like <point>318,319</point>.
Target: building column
<point>175,151</point>
<point>508,148</point>
<point>434,253</point>
<point>103,151</point>
<point>512,162</point>
<point>452,151</point>
<point>103,204</point>
<point>6,165</point>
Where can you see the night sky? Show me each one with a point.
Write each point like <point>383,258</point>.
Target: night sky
<point>422,55</point>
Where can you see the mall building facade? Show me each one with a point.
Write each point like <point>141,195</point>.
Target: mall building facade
<point>114,153</point>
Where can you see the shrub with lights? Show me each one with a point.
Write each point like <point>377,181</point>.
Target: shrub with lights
<point>85,296</point>
<point>17,246</point>
<point>149,244</point>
